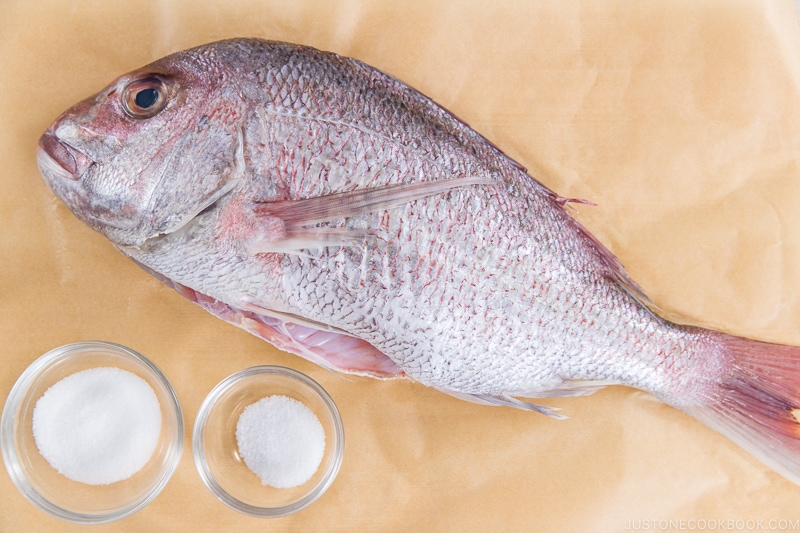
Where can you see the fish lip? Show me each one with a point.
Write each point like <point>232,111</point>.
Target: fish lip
<point>50,168</point>
<point>61,159</point>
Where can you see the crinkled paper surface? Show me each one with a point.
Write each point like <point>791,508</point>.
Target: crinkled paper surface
<point>679,119</point>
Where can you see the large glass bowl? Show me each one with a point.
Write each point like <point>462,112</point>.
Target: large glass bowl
<point>53,492</point>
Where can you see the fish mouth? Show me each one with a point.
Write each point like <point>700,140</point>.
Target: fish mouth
<point>60,160</point>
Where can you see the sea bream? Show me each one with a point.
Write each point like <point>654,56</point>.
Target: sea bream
<point>341,215</point>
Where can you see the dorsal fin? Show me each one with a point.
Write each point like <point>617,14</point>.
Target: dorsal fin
<point>614,266</point>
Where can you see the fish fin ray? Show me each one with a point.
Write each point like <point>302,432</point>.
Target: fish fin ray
<point>293,318</point>
<point>573,387</point>
<point>565,202</point>
<point>615,268</point>
<point>289,226</point>
<point>757,403</point>
<point>327,346</point>
<point>507,401</point>
<point>299,213</point>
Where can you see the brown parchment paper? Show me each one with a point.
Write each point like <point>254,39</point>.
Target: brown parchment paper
<point>680,119</point>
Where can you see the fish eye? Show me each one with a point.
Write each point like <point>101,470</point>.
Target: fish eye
<point>144,98</point>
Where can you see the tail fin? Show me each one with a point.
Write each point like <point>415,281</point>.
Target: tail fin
<point>757,405</point>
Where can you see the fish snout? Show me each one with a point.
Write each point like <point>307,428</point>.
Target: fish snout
<point>73,162</point>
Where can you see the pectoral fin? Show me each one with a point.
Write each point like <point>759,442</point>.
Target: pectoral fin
<point>292,225</point>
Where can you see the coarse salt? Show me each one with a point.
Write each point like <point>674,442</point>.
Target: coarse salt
<point>281,441</point>
<point>97,426</point>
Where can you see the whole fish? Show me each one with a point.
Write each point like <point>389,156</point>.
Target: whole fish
<point>343,216</point>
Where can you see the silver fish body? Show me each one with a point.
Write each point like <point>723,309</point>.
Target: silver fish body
<point>338,213</point>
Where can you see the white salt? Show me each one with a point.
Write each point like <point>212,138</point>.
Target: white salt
<point>97,426</point>
<point>281,441</point>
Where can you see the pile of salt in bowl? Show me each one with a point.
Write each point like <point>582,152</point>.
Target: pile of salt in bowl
<point>98,426</point>
<point>281,441</point>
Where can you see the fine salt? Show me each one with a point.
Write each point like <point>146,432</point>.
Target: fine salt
<point>97,426</point>
<point>281,441</point>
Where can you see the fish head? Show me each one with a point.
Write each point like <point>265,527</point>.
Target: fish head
<point>150,151</point>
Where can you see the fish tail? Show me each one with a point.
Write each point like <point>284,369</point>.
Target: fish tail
<point>757,402</point>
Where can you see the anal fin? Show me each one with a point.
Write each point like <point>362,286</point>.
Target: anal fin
<point>574,387</point>
<point>566,388</point>
<point>507,401</point>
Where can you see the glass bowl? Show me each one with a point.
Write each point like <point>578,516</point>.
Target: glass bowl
<point>53,492</point>
<point>216,453</point>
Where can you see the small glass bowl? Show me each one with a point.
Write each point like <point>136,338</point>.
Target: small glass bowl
<point>53,492</point>
<point>216,453</point>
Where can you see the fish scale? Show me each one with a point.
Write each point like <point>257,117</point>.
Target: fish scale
<point>341,215</point>
<point>422,308</point>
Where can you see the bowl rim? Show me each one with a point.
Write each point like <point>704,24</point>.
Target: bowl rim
<point>207,476</point>
<point>9,448</point>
